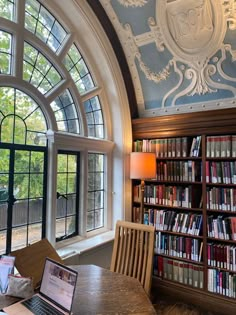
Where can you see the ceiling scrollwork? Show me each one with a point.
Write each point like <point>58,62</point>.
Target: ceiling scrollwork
<point>194,34</point>
<point>133,3</point>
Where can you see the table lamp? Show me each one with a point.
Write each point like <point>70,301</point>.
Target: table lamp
<point>142,166</point>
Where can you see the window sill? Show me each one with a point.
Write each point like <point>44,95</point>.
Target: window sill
<point>78,245</point>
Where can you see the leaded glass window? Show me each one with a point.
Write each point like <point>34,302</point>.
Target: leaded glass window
<point>94,117</point>
<point>38,70</point>
<point>78,70</point>
<point>21,119</point>
<point>66,113</point>
<point>43,24</point>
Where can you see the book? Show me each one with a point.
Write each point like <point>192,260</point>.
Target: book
<point>6,268</point>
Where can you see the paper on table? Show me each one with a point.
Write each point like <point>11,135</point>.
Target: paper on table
<point>6,268</point>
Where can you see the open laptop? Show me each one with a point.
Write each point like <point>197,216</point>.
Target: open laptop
<point>57,290</point>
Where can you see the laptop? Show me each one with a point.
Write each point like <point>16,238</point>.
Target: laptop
<point>55,295</point>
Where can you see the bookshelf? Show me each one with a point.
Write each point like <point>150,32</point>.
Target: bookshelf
<point>192,203</point>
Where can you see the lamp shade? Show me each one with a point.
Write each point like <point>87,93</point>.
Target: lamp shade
<point>142,165</point>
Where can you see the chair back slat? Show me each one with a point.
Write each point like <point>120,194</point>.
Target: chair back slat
<point>145,254</point>
<point>133,251</point>
<point>128,253</point>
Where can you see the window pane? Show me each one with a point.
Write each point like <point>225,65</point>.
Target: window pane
<point>36,185</point>
<point>3,216</point>
<point>34,233</point>
<point>35,210</point>
<point>19,131</point>
<point>60,228</point>
<point>94,117</point>
<point>71,204</point>
<point>98,217</point>
<point>70,225</point>
<point>20,213</point>
<point>7,130</point>
<point>21,183</point>
<point>4,156</point>
<point>3,239</point>
<point>19,237</point>
<point>5,52</point>
<point>37,162</point>
<point>43,24</point>
<point>7,9</point>
<point>71,188</point>
<point>22,161</point>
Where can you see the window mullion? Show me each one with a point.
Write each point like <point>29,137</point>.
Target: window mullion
<point>18,43</point>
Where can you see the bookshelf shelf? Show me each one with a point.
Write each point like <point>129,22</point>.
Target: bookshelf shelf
<point>180,234</point>
<point>182,259</point>
<point>196,177</point>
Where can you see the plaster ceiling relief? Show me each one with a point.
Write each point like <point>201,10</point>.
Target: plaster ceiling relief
<point>181,54</point>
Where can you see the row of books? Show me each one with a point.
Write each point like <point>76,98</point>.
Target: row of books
<point>178,246</point>
<point>222,282</point>
<point>216,146</point>
<point>221,146</point>
<point>175,196</point>
<point>179,171</point>
<point>180,222</point>
<point>221,256</point>
<point>221,227</point>
<point>220,198</point>
<point>221,172</point>
<point>182,272</point>
<point>170,147</point>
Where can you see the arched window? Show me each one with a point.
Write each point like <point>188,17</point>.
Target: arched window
<point>55,125</point>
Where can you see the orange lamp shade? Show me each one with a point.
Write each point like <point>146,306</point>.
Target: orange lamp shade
<point>142,165</point>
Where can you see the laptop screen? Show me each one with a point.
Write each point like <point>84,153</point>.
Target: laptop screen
<point>58,284</point>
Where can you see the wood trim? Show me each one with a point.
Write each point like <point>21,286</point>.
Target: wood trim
<point>189,124</point>
<point>186,294</point>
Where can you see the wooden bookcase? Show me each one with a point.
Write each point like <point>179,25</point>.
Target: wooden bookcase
<point>206,124</point>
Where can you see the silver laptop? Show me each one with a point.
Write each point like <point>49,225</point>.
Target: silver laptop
<point>55,295</point>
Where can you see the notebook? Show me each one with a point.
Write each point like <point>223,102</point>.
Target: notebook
<point>57,290</point>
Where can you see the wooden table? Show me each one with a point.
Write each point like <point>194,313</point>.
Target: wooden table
<point>100,291</point>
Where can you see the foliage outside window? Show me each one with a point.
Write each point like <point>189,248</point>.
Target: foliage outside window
<point>5,52</point>
<point>7,9</point>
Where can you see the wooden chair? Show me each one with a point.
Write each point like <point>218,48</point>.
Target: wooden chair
<point>29,261</point>
<point>133,252</point>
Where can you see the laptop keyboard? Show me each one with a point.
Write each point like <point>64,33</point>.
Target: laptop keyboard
<point>40,307</point>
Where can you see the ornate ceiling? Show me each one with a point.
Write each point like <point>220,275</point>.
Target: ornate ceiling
<point>181,54</point>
